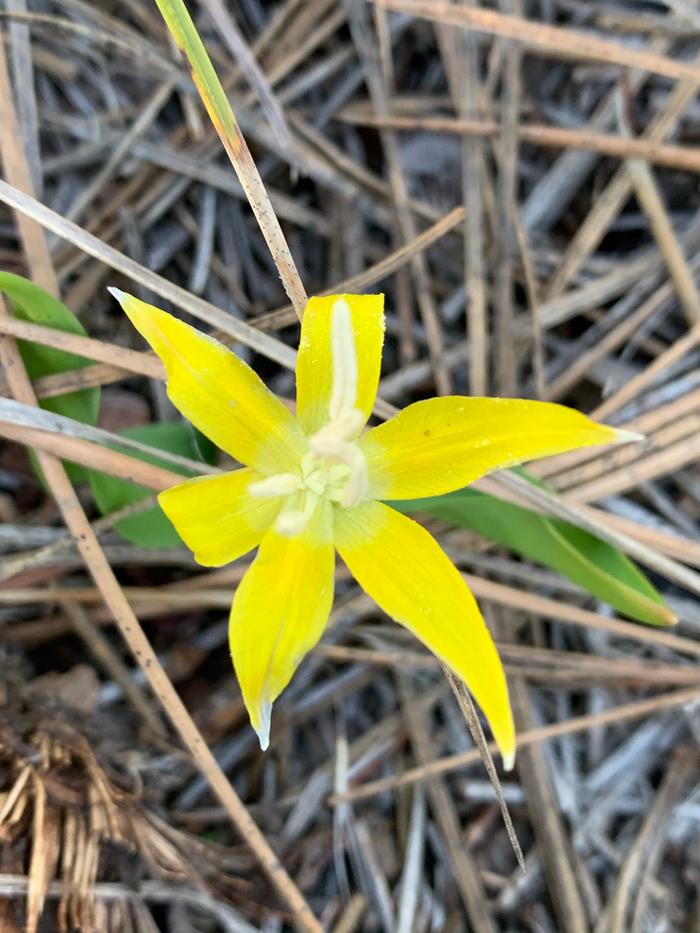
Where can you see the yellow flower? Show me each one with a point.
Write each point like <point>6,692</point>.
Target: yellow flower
<point>314,483</point>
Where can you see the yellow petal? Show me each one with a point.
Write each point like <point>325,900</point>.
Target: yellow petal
<point>340,355</point>
<point>409,576</point>
<point>442,444</point>
<point>217,392</point>
<point>279,612</point>
<point>217,517</point>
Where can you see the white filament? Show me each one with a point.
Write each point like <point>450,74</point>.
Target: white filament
<point>344,358</point>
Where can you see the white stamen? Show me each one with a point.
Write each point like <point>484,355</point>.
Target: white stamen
<point>509,761</point>
<point>344,356</point>
<point>264,729</point>
<point>357,486</point>
<point>282,484</point>
<point>291,523</point>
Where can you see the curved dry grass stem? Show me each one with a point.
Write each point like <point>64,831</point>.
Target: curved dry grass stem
<point>93,246</point>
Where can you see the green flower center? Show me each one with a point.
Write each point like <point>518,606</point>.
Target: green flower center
<point>333,468</point>
<point>323,477</point>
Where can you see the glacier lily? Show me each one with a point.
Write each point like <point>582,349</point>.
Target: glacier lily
<point>314,483</point>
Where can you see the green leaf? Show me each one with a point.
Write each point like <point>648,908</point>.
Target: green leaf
<point>31,303</point>
<point>150,529</point>
<point>594,565</point>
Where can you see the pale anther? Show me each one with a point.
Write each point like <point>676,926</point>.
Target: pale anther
<point>291,523</point>
<point>282,484</point>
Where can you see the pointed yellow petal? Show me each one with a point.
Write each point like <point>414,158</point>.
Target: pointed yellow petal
<point>340,355</point>
<point>406,572</point>
<point>279,612</point>
<point>442,444</point>
<point>217,392</point>
<point>217,517</point>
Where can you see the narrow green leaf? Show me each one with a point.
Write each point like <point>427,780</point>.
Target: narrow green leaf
<point>184,32</point>
<point>594,565</point>
<point>150,529</point>
<point>31,303</point>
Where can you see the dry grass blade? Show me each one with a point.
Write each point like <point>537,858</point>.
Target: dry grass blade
<point>369,57</point>
<point>44,853</point>
<point>29,416</point>
<point>548,40</point>
<point>16,168</point>
<point>471,718</point>
<point>235,40</point>
<point>238,330</point>
<point>668,155</point>
<point>143,364</point>
<point>649,196</point>
<point>94,456</point>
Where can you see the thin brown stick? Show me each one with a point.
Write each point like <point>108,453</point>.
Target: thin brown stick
<point>131,361</point>
<point>554,41</point>
<point>649,196</point>
<point>15,168</point>
<point>683,158</point>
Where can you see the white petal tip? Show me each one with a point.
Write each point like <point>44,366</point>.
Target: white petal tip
<point>625,437</point>
<point>263,729</point>
<point>117,293</point>
<point>509,761</point>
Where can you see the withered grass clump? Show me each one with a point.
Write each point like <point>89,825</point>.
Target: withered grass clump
<point>74,823</point>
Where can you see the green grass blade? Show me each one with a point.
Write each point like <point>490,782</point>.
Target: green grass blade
<point>184,32</point>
